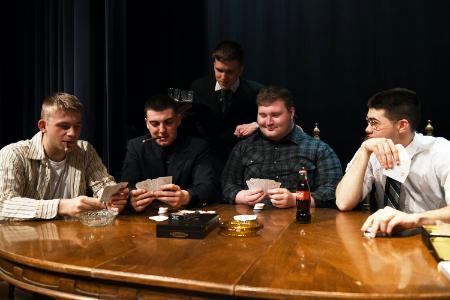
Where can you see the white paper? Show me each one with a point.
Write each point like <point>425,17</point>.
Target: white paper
<point>401,171</point>
<point>158,218</point>
<point>444,268</point>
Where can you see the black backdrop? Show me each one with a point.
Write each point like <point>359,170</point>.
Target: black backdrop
<point>113,54</point>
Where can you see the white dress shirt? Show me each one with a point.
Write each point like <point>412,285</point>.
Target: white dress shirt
<point>427,186</point>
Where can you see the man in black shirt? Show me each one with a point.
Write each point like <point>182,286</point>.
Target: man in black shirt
<point>164,153</point>
<point>224,106</point>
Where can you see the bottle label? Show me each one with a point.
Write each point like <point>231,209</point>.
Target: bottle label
<point>302,195</point>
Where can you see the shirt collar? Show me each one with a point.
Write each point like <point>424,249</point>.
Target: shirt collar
<point>36,150</point>
<point>418,144</point>
<point>234,87</point>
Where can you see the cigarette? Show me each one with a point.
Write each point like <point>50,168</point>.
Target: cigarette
<point>65,147</point>
<point>151,139</point>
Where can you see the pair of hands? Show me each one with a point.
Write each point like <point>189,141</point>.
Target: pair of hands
<point>171,194</point>
<point>73,207</point>
<point>386,219</point>
<point>245,129</point>
<point>280,197</point>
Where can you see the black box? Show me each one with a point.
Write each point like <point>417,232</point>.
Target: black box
<point>193,227</point>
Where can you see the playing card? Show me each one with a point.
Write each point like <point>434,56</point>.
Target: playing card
<point>110,190</point>
<point>154,184</point>
<point>264,184</point>
<point>401,171</point>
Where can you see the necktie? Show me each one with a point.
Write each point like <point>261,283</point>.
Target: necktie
<point>392,193</point>
<point>224,99</point>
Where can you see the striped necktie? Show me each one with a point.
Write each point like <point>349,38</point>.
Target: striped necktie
<point>392,193</point>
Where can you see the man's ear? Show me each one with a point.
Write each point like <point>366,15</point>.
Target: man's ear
<point>179,117</point>
<point>292,112</point>
<point>42,124</point>
<point>403,126</point>
<point>241,70</point>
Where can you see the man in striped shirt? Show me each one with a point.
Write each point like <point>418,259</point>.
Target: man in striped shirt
<point>48,175</point>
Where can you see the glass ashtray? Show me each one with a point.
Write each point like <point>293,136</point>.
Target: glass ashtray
<point>237,228</point>
<point>97,218</point>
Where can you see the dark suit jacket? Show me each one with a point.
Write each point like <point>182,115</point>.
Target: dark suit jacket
<point>190,167</point>
<point>206,119</point>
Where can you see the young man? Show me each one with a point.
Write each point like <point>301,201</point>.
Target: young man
<point>423,198</point>
<point>165,153</point>
<point>278,151</point>
<point>48,175</point>
<point>224,104</point>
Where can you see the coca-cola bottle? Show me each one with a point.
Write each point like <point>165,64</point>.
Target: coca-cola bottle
<point>303,199</point>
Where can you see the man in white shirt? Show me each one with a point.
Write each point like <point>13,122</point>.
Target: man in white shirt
<point>49,174</point>
<point>392,118</point>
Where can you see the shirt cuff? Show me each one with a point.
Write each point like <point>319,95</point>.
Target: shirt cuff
<point>47,209</point>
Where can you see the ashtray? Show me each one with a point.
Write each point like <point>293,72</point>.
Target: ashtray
<point>97,218</point>
<point>236,228</point>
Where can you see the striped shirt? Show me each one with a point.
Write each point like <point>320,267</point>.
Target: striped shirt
<point>259,157</point>
<point>25,175</point>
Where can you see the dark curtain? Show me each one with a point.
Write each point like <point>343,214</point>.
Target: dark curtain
<point>333,55</point>
<point>73,46</point>
<point>111,54</point>
<point>114,54</point>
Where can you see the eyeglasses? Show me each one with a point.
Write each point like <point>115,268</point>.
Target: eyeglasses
<point>375,124</point>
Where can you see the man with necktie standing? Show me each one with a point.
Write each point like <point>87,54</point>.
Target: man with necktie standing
<point>224,107</point>
<point>424,197</point>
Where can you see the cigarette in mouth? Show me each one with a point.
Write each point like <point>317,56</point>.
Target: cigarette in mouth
<point>65,147</point>
<point>151,139</point>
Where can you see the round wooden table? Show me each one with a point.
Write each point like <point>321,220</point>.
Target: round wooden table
<point>328,258</point>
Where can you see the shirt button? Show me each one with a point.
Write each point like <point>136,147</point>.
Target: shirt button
<point>275,162</point>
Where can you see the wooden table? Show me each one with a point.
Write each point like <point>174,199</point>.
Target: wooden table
<point>328,258</point>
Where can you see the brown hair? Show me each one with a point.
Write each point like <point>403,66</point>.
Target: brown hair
<point>270,94</point>
<point>228,50</point>
<point>60,101</point>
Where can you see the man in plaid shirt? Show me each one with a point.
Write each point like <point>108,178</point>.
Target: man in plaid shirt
<point>278,151</point>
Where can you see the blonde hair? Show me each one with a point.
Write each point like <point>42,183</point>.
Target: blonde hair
<point>60,101</point>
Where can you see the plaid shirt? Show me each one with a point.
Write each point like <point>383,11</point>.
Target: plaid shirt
<point>258,157</point>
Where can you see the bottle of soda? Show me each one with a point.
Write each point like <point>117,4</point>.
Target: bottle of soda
<point>303,199</point>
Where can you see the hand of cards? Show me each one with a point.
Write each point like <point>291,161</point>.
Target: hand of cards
<point>151,185</point>
<point>110,190</point>
<point>264,184</point>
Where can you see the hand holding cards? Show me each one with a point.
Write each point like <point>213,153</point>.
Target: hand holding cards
<point>263,184</point>
<point>401,171</point>
<point>151,185</point>
<point>110,190</point>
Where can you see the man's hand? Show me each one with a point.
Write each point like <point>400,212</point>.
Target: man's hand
<point>173,195</point>
<point>73,207</point>
<point>245,129</point>
<point>386,219</point>
<point>249,197</point>
<point>384,150</point>
<point>281,198</point>
<point>140,199</point>
<point>119,200</point>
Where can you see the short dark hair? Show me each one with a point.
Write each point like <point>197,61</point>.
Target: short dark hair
<point>398,103</point>
<point>228,50</point>
<point>159,103</point>
<point>270,94</point>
